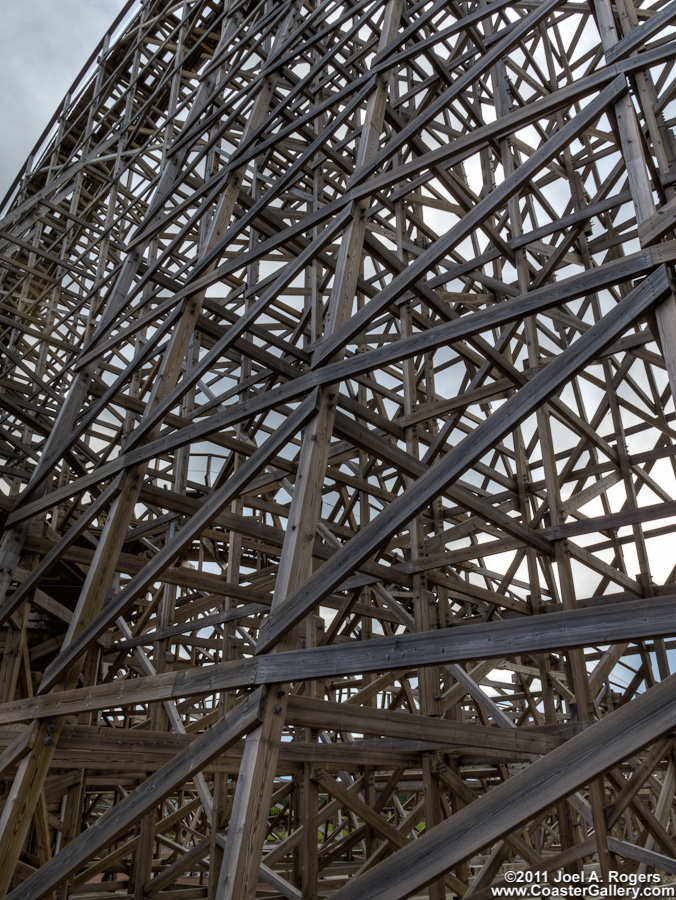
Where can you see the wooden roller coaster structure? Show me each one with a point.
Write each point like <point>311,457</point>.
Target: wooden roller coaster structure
<point>337,455</point>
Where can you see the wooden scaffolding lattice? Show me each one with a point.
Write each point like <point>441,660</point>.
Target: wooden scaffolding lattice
<point>337,455</point>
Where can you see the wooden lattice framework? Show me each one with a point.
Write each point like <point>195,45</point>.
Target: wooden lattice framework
<point>337,454</point>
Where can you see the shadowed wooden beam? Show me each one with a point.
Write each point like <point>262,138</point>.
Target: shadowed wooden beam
<point>339,358</point>
<point>21,744</point>
<point>463,455</point>
<point>627,850</point>
<point>634,620</point>
<point>149,794</point>
<point>521,797</point>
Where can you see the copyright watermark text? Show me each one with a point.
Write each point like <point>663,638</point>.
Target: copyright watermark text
<point>528,884</point>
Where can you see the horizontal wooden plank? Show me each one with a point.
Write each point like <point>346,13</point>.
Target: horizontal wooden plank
<point>520,798</point>
<point>630,621</point>
<point>158,786</point>
<point>462,456</point>
<point>391,723</point>
<point>600,624</point>
<point>105,749</point>
<point>612,520</point>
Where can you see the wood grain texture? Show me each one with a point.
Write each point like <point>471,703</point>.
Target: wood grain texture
<point>338,356</point>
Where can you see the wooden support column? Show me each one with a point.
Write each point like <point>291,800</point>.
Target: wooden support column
<point>639,184</point>
<point>30,777</point>
<point>597,748</point>
<point>336,362</point>
<point>239,869</point>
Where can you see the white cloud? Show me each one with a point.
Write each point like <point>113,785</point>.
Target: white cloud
<point>43,46</point>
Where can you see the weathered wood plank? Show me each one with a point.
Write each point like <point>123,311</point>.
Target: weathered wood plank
<point>217,739</point>
<point>461,457</point>
<point>425,215</point>
<point>634,620</point>
<point>521,797</point>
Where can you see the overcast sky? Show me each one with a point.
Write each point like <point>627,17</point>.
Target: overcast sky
<point>43,46</point>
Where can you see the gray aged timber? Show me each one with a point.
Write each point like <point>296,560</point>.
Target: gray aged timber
<point>338,455</point>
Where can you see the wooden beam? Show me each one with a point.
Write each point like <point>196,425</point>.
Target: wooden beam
<point>439,476</point>
<point>596,625</point>
<point>218,738</point>
<point>521,797</point>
